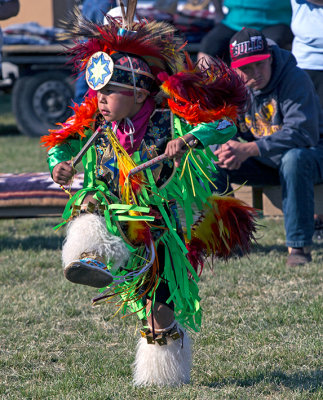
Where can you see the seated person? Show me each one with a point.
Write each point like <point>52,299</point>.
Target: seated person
<point>308,41</point>
<point>268,16</point>
<point>283,135</point>
<point>307,48</point>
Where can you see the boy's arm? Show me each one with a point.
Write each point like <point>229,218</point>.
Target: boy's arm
<point>61,153</point>
<point>217,132</point>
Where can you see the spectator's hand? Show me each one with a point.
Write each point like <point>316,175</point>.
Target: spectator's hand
<point>232,154</point>
<point>177,147</point>
<point>63,172</point>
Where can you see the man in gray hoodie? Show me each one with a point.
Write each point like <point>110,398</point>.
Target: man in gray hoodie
<point>282,132</point>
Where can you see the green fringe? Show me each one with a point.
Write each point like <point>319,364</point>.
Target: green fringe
<point>190,187</point>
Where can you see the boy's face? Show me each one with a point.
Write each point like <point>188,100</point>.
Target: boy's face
<point>116,103</point>
<point>256,75</point>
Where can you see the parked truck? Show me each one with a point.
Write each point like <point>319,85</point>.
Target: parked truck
<point>42,88</point>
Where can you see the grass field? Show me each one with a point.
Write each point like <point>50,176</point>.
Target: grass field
<point>261,335</point>
<point>18,153</point>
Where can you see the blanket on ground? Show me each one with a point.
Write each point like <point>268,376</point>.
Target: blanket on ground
<point>34,189</point>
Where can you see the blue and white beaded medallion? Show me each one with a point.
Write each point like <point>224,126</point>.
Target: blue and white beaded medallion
<point>99,70</point>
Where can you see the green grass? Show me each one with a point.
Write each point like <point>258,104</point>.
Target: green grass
<point>18,153</point>
<point>7,120</point>
<point>261,335</point>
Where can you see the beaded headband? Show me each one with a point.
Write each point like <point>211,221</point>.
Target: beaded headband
<point>123,70</point>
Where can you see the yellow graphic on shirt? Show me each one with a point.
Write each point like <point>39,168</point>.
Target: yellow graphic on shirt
<point>263,122</point>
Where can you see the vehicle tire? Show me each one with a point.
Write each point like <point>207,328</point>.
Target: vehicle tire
<point>41,100</point>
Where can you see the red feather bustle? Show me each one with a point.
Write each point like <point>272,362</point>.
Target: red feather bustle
<point>227,224</point>
<point>205,93</point>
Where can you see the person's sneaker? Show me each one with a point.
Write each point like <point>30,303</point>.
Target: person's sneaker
<point>297,256</point>
<point>88,271</point>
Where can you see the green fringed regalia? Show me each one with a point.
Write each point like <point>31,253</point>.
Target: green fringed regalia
<point>188,189</point>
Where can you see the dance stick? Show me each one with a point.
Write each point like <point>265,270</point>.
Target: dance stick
<point>87,145</point>
<point>156,160</point>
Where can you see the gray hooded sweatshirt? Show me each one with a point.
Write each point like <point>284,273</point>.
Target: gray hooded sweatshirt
<point>285,114</point>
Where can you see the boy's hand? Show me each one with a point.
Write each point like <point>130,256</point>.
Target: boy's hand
<point>63,172</point>
<point>177,147</point>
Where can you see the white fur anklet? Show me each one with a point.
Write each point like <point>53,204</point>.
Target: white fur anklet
<point>88,234</point>
<point>168,365</point>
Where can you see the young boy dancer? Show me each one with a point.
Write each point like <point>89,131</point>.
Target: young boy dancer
<point>124,233</point>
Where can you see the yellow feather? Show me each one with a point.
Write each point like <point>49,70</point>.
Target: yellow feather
<point>125,164</point>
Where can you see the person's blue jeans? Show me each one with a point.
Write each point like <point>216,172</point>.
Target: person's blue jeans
<point>300,169</point>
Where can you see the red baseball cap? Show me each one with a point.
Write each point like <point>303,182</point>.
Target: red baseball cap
<point>248,46</point>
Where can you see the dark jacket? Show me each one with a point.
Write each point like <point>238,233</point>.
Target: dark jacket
<point>286,113</point>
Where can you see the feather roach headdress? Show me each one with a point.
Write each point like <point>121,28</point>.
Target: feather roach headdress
<point>121,52</point>
<point>205,92</point>
<point>154,42</point>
